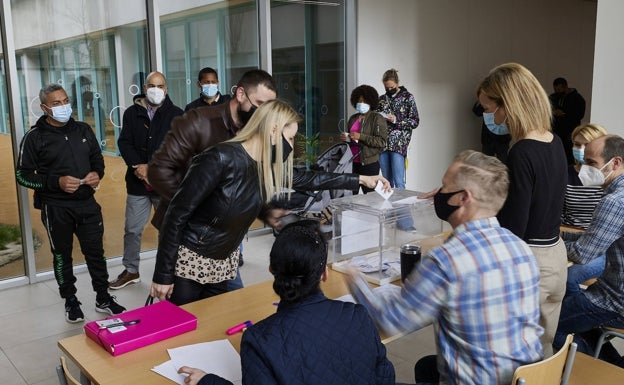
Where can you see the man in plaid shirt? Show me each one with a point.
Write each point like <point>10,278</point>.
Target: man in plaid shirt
<point>602,304</point>
<point>479,289</point>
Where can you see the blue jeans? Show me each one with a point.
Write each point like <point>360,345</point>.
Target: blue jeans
<point>578,273</point>
<point>237,282</point>
<point>393,168</point>
<point>579,315</point>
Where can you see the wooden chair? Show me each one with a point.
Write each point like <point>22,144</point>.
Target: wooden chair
<point>551,371</point>
<point>65,377</point>
<point>607,334</point>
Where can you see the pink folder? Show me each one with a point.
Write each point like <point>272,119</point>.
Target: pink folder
<point>159,321</point>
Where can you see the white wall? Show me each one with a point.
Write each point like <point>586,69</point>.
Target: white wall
<point>443,48</point>
<point>608,73</point>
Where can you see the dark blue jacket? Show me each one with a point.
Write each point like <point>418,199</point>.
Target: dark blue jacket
<point>317,341</point>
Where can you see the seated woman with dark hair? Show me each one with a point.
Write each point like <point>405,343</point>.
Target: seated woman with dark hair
<point>311,339</point>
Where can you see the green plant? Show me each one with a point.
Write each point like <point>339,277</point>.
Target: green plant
<point>8,234</point>
<point>307,148</point>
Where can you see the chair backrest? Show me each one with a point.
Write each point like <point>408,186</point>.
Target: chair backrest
<point>551,371</point>
<point>65,377</point>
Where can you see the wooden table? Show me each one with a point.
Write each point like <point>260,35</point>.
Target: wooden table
<point>587,370</point>
<point>214,316</point>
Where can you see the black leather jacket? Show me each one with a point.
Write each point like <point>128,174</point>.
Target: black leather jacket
<point>216,203</point>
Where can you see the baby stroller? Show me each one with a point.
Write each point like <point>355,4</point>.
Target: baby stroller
<point>313,204</point>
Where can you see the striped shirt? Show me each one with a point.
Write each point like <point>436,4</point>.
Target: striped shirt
<point>579,201</point>
<point>480,290</point>
<point>605,235</point>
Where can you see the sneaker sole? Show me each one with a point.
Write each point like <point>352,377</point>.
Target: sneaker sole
<point>77,320</point>
<point>104,310</point>
<point>137,280</point>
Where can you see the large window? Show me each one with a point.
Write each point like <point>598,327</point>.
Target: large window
<point>308,65</point>
<point>97,52</point>
<point>100,52</point>
<point>222,35</point>
<point>11,254</point>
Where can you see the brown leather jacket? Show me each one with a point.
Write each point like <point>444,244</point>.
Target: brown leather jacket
<point>190,135</point>
<point>205,127</point>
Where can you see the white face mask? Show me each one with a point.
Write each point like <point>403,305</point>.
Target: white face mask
<point>210,90</point>
<point>155,95</point>
<point>362,108</point>
<point>61,113</point>
<point>592,176</point>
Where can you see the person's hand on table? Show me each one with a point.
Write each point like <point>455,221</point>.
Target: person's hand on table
<point>161,292</point>
<point>194,375</point>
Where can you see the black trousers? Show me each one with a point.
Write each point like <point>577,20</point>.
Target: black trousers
<point>85,221</point>
<point>186,290</point>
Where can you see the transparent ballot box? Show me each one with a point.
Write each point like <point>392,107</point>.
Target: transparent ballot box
<point>368,231</point>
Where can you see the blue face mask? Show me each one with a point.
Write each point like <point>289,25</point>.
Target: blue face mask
<point>579,154</point>
<point>497,129</point>
<point>61,113</point>
<point>362,108</point>
<point>210,90</point>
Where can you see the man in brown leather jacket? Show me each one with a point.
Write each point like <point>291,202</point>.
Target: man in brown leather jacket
<point>204,127</point>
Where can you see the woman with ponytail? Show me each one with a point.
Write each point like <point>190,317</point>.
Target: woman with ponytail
<point>311,339</point>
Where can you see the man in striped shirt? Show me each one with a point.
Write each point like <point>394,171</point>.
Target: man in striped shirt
<point>479,289</point>
<point>602,304</point>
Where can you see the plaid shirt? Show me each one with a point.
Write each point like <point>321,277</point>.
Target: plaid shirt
<point>605,235</point>
<point>480,289</point>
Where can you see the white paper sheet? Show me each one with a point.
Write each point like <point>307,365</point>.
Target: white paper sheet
<point>408,201</point>
<point>380,191</point>
<point>385,291</point>
<point>218,357</point>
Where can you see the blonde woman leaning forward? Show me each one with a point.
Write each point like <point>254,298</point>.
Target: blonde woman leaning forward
<point>221,195</point>
<point>512,96</point>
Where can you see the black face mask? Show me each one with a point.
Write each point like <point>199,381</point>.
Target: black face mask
<point>246,115</point>
<point>391,91</point>
<point>286,150</point>
<point>440,202</point>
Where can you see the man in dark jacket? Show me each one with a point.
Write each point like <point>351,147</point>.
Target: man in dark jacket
<point>204,127</point>
<point>209,95</point>
<point>568,110</point>
<point>61,160</point>
<point>145,124</point>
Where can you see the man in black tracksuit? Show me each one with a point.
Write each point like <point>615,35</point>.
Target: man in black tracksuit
<point>61,160</point>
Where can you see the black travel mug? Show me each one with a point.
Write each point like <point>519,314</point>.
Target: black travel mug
<point>410,255</point>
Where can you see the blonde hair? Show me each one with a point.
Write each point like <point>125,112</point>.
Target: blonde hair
<point>589,132</point>
<point>485,176</point>
<point>275,178</point>
<point>526,104</point>
<point>391,74</point>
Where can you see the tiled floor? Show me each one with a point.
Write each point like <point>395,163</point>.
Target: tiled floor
<point>32,320</point>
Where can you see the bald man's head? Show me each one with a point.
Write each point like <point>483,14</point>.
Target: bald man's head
<point>155,88</point>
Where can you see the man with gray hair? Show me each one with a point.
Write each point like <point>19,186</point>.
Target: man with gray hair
<point>480,289</point>
<point>62,161</point>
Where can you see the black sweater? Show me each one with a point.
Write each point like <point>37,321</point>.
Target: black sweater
<point>538,177</point>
